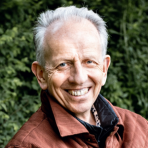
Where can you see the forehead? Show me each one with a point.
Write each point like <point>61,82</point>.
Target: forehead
<point>68,37</point>
<point>70,28</point>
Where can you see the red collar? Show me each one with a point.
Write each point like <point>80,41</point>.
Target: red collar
<point>66,123</point>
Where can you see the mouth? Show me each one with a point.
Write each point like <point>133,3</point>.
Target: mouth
<point>79,92</point>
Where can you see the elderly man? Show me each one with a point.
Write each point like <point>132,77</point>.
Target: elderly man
<point>71,68</point>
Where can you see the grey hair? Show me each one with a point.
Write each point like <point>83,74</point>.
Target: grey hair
<point>64,13</point>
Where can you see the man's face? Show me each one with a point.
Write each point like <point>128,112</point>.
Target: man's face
<point>74,67</point>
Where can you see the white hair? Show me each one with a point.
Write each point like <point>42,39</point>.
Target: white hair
<point>64,13</point>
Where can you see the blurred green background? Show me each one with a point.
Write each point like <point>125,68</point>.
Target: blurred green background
<point>127,84</point>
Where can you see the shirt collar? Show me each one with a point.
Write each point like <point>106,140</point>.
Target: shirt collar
<point>94,112</point>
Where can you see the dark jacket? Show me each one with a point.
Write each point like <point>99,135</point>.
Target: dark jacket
<point>54,127</point>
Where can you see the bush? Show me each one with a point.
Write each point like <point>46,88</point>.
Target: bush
<point>128,73</point>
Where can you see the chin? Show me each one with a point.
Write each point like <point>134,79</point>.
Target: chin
<point>80,109</point>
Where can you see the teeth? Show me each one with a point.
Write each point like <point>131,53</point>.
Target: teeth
<point>78,92</point>
<point>75,93</point>
<point>72,93</point>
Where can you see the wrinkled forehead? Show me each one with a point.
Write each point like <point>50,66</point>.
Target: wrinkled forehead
<point>70,28</point>
<point>79,32</point>
<point>64,23</point>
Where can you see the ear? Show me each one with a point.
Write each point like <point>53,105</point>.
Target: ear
<point>40,74</point>
<point>106,63</point>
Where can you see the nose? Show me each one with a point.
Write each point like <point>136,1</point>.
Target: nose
<point>78,75</point>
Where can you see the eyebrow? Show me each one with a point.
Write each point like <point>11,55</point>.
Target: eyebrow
<point>86,56</point>
<point>56,60</point>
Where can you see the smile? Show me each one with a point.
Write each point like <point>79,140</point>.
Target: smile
<point>79,92</point>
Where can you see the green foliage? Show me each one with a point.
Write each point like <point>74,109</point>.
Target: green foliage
<point>128,47</point>
<point>127,81</point>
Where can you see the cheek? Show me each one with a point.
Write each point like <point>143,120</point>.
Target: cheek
<point>57,79</point>
<point>96,75</point>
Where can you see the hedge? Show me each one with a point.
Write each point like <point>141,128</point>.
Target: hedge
<point>127,81</point>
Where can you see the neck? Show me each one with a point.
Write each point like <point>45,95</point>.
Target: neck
<point>87,117</point>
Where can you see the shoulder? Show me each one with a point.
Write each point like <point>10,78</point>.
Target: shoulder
<point>128,117</point>
<point>30,132</point>
<point>135,128</point>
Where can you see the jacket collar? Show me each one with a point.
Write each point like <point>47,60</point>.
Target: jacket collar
<point>120,123</point>
<point>66,123</point>
<point>105,112</point>
<point>108,115</point>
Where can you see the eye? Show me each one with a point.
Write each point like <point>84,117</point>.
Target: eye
<point>89,62</point>
<point>63,65</point>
